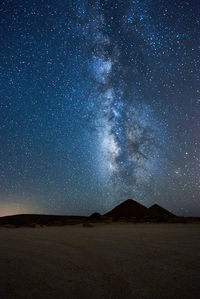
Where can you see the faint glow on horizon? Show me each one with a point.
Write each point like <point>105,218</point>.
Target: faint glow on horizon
<point>13,208</point>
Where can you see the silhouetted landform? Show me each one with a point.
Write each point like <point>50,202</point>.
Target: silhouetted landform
<point>95,216</point>
<point>158,211</point>
<point>128,211</point>
<point>35,220</point>
<point>128,208</point>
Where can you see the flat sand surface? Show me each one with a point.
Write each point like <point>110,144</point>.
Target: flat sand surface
<point>106,261</point>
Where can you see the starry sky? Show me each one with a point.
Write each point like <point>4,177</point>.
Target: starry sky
<point>99,102</point>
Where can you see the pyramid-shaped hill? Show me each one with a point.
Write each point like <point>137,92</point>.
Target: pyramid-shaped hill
<point>128,208</point>
<point>158,211</point>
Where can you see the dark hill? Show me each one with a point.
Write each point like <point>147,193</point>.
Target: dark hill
<point>27,219</point>
<point>95,216</point>
<point>158,211</point>
<point>128,208</point>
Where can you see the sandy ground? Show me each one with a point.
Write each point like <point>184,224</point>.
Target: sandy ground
<point>107,261</point>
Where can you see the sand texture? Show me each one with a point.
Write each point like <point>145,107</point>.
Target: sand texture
<point>105,261</point>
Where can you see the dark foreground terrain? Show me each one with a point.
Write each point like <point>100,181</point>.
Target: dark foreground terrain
<point>118,260</point>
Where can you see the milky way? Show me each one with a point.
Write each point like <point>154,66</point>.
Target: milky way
<point>99,103</point>
<point>128,133</point>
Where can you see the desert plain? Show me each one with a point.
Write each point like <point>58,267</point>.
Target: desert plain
<point>117,260</point>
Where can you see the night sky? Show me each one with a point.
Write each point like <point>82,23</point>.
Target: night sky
<point>99,102</point>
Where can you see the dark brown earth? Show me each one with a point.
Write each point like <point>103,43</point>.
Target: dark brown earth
<point>115,261</point>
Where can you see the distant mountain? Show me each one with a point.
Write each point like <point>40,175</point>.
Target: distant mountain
<point>29,219</point>
<point>95,216</point>
<point>128,208</point>
<point>158,211</point>
<point>123,212</point>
